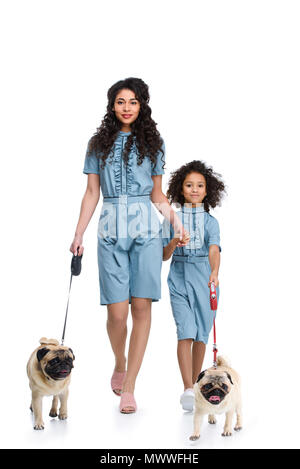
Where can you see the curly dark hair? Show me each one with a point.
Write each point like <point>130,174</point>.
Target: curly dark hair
<point>148,139</point>
<point>215,187</point>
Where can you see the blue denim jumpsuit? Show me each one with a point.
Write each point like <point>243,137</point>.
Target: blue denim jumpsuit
<point>129,230</point>
<point>189,273</point>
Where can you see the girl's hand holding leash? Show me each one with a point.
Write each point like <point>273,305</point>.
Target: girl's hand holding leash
<point>77,243</point>
<point>213,278</point>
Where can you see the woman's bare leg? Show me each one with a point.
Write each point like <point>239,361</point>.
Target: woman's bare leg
<point>116,325</point>
<point>141,322</point>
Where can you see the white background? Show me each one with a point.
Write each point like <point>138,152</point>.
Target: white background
<point>224,84</point>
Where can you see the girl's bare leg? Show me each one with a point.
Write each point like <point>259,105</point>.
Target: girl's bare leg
<point>184,355</point>
<point>141,322</point>
<point>198,353</point>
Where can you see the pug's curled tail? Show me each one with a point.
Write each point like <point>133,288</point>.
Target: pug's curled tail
<point>222,361</point>
<point>45,341</point>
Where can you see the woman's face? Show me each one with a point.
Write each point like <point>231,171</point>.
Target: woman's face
<point>194,188</point>
<point>126,108</point>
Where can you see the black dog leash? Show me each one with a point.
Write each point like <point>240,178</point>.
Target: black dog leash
<point>75,270</point>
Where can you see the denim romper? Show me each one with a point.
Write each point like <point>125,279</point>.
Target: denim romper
<point>129,230</point>
<point>189,273</point>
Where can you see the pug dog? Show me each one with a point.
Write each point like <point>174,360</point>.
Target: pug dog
<point>217,391</point>
<point>48,369</point>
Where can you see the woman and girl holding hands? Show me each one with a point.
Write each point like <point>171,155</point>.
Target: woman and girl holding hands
<point>126,158</point>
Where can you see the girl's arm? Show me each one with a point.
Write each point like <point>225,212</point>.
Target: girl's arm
<point>214,260</point>
<point>173,244</point>
<point>163,206</point>
<point>170,248</point>
<point>88,205</point>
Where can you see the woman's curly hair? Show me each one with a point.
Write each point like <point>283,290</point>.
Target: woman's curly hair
<point>148,139</point>
<point>215,187</point>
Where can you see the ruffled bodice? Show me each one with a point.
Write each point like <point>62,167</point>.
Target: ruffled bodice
<point>202,227</point>
<point>118,178</point>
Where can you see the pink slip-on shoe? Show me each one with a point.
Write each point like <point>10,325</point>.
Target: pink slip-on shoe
<point>127,400</point>
<point>116,381</point>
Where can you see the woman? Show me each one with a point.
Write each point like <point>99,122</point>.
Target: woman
<point>125,158</point>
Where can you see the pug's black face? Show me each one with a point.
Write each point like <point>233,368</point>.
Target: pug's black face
<point>214,394</point>
<point>214,388</point>
<point>57,364</point>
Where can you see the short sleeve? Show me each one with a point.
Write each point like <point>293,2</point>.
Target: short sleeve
<point>167,233</point>
<point>158,169</point>
<point>91,163</point>
<point>213,232</point>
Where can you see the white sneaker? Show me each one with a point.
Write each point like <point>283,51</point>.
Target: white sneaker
<point>187,399</point>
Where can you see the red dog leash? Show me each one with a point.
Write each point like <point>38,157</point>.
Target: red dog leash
<point>214,307</point>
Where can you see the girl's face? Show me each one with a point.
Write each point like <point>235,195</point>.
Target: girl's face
<point>194,188</point>
<point>126,108</point>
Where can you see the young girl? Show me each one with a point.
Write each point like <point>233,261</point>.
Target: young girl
<point>196,188</point>
<point>126,158</point>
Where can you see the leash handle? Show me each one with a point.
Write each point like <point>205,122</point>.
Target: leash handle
<point>213,297</point>
<point>76,263</point>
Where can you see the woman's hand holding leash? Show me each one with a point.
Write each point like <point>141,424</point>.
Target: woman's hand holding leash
<point>77,244</point>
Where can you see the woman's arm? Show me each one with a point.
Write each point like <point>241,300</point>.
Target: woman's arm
<point>163,206</point>
<point>88,205</point>
<point>214,260</point>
